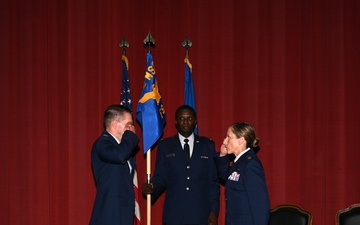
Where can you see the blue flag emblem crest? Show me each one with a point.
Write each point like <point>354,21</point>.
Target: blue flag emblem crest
<point>150,110</point>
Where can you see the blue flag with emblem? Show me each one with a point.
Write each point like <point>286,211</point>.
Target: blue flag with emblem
<point>189,95</point>
<point>125,98</point>
<point>150,110</point>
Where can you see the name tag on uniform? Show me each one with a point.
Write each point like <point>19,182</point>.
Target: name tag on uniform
<point>234,176</point>
<point>170,155</point>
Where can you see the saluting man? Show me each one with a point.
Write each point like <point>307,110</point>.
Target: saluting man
<point>113,163</point>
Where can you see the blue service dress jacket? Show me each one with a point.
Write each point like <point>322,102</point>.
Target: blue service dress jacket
<point>192,187</point>
<point>247,199</point>
<point>115,197</point>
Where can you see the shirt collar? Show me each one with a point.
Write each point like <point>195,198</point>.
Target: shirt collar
<point>242,153</point>
<point>115,138</point>
<point>190,138</point>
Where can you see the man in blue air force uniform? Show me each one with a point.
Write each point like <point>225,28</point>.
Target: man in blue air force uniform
<point>191,182</point>
<point>113,163</point>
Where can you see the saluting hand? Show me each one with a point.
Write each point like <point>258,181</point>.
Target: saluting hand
<point>130,127</point>
<point>223,150</point>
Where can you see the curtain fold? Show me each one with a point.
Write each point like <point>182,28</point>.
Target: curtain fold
<point>290,68</point>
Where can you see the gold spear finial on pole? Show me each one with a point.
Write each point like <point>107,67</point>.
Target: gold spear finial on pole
<point>149,42</point>
<point>124,44</point>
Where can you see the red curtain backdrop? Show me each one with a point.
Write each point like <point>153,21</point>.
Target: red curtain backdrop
<point>290,68</point>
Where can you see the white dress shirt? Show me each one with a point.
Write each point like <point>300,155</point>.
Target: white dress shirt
<point>191,142</point>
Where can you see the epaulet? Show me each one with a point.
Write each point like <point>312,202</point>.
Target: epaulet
<point>206,138</point>
<point>248,157</point>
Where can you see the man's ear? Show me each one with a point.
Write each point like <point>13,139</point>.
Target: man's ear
<point>113,124</point>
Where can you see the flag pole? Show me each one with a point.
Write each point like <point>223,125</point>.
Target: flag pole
<point>148,196</point>
<point>125,100</point>
<point>149,42</point>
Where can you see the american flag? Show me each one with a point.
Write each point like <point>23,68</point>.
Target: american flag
<point>125,100</point>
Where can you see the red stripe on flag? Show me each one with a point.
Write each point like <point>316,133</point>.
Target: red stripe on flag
<point>137,219</point>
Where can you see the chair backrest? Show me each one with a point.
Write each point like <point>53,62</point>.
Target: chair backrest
<point>349,216</point>
<point>290,214</point>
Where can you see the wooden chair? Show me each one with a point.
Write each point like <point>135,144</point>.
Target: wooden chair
<point>349,216</point>
<point>290,214</point>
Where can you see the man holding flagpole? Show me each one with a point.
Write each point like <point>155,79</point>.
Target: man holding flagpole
<point>185,168</point>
